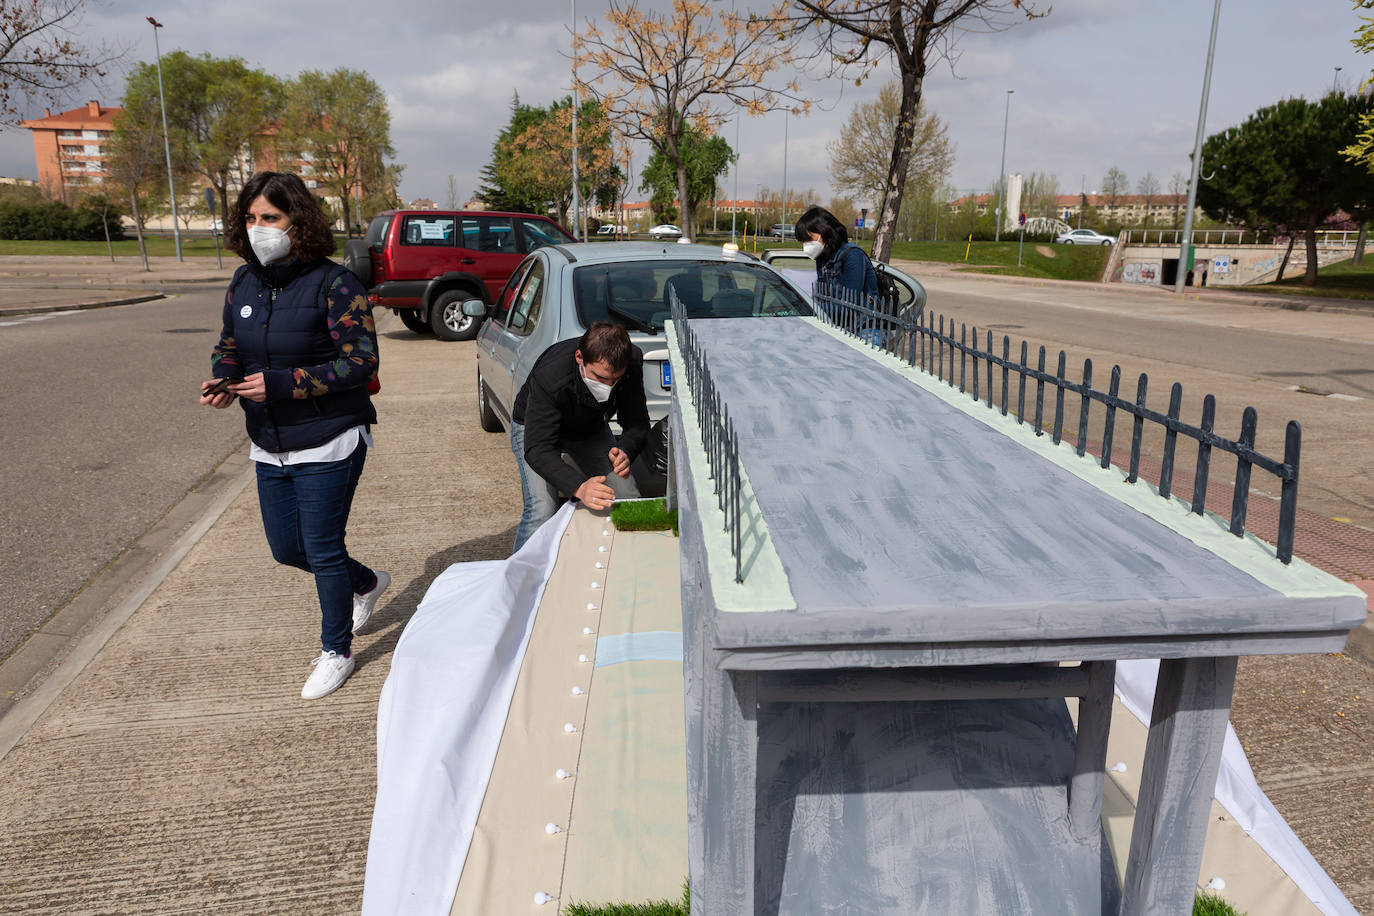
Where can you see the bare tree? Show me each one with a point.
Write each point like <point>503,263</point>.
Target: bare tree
<point>451,200</point>
<point>134,164</point>
<point>40,57</point>
<point>656,74</point>
<point>1114,185</point>
<point>858,34</point>
<point>1178,187</point>
<point>1148,188</point>
<point>859,159</point>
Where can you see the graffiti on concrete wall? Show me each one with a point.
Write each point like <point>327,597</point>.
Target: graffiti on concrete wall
<point>1140,272</point>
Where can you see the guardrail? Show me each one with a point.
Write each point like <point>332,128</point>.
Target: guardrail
<point>920,341</point>
<point>1330,238</point>
<point>718,435</point>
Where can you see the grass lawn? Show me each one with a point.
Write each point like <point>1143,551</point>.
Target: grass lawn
<point>1342,280</point>
<point>1063,262</point>
<point>644,515</point>
<point>199,246</point>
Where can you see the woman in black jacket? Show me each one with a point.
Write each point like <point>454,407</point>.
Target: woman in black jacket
<point>298,351</point>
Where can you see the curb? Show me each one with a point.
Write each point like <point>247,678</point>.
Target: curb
<point>81,306</point>
<point>218,492</point>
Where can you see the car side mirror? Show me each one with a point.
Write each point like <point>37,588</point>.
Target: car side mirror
<point>475,308</point>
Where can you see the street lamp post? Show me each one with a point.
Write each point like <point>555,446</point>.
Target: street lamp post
<point>734,207</point>
<point>1187,241</point>
<point>166,141</point>
<point>1002,174</point>
<point>578,228</point>
<point>1335,80</point>
<point>786,120</point>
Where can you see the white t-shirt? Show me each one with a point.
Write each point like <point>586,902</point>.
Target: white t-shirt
<point>336,449</point>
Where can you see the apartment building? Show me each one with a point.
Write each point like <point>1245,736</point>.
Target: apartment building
<point>1126,209</point>
<point>69,148</point>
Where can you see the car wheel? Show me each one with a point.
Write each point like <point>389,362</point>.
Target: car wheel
<point>1108,242</point>
<point>447,319</point>
<point>485,415</point>
<point>413,320</point>
<point>358,259</point>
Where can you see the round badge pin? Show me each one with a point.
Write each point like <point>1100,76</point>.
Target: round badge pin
<point>246,311</point>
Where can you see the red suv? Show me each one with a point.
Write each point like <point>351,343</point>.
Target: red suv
<point>424,264</point>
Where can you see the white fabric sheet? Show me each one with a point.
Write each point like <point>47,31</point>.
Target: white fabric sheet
<point>440,718</point>
<point>1240,794</point>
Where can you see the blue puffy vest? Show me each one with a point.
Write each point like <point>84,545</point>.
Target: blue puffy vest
<point>287,328</point>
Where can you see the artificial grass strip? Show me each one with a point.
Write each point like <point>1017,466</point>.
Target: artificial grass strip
<point>644,515</point>
<point>652,908</point>
<point>1206,904</point>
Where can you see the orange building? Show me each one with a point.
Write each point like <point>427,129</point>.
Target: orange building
<point>70,148</point>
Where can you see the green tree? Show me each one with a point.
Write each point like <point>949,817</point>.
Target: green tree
<point>706,158</point>
<point>540,159</point>
<point>219,111</point>
<point>505,186</point>
<point>859,158</point>
<point>1284,168</point>
<point>339,122</point>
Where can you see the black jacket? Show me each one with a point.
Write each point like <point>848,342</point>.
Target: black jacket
<point>308,329</point>
<point>555,406</point>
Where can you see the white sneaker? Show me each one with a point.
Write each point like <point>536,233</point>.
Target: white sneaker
<point>364,604</point>
<point>331,670</point>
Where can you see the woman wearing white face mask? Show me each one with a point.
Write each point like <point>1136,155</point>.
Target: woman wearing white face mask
<point>298,351</point>
<point>839,262</point>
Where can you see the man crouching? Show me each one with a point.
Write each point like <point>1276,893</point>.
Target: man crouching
<point>573,390</point>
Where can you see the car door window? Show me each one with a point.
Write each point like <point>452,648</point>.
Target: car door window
<point>525,311</point>
<point>539,234</point>
<point>489,234</point>
<point>428,231</point>
<point>507,298</point>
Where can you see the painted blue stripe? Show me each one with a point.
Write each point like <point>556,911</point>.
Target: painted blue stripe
<point>656,645</point>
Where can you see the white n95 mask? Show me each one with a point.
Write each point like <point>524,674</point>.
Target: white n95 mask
<point>813,249</point>
<point>600,390</point>
<point>269,243</point>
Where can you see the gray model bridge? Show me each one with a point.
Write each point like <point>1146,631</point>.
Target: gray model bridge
<point>877,569</point>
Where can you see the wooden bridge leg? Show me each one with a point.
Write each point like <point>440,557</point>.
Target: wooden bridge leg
<point>729,815</point>
<point>1090,755</point>
<point>1182,757</point>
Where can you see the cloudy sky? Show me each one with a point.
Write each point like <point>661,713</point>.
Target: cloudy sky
<point>1097,83</point>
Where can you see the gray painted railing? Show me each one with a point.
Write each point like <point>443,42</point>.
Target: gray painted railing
<point>718,435</point>
<point>925,340</point>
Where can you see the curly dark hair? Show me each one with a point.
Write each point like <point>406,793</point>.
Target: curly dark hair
<point>312,237</point>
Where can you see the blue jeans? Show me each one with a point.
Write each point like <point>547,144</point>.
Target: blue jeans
<point>590,456</point>
<point>304,514</point>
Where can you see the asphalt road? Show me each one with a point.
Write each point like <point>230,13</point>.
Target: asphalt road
<point>103,434</point>
<point>1313,367</point>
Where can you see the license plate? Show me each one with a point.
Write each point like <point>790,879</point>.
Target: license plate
<point>667,371</point>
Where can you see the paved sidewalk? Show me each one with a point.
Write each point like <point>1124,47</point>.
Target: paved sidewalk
<point>180,772</point>
<point>32,284</point>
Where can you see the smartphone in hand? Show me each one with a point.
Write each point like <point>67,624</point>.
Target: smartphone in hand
<point>220,387</point>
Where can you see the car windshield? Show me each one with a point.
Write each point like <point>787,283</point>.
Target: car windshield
<point>638,292</point>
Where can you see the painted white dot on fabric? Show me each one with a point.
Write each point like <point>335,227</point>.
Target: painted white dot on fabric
<point>590,606</point>
<point>541,898</point>
<point>600,565</point>
<point>577,691</point>
<point>583,658</point>
<point>551,828</point>
<point>596,585</point>
<point>602,548</point>
<point>1118,767</point>
<point>561,774</point>
<point>588,631</point>
<point>606,532</point>
<point>1216,884</point>
<point>569,727</point>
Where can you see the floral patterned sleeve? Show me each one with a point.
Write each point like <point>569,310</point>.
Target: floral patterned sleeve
<point>355,338</point>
